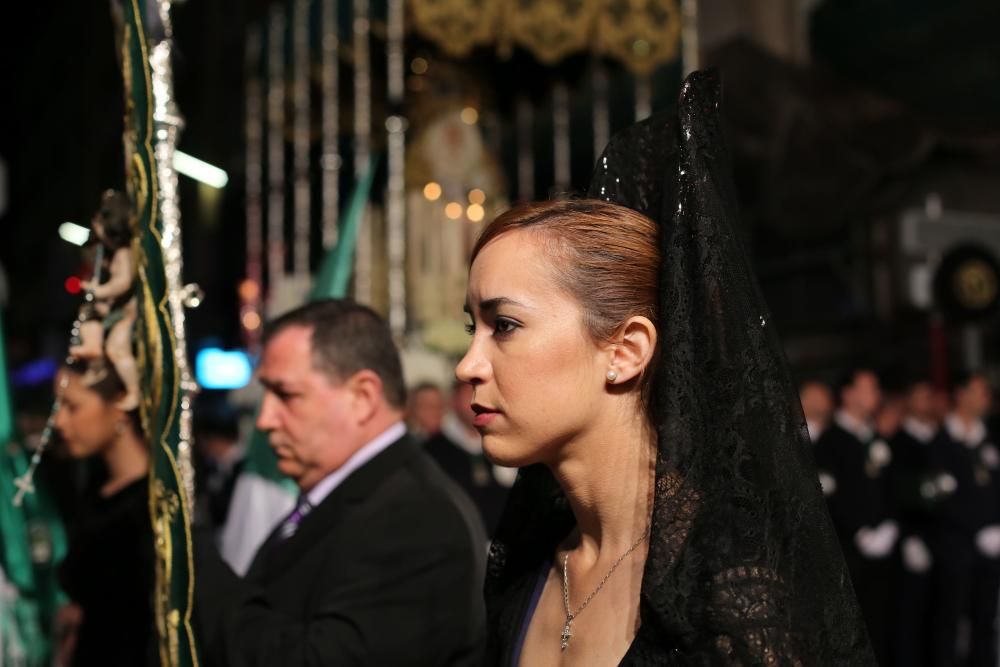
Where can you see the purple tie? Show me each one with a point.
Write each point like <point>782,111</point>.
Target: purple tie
<point>291,524</point>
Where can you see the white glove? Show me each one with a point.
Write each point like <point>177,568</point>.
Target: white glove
<point>916,555</point>
<point>877,542</point>
<point>988,541</point>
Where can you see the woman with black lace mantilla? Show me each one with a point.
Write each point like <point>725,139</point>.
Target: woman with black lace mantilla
<point>667,511</point>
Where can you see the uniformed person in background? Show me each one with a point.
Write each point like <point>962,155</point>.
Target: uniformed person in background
<point>817,406</point>
<point>852,462</point>
<point>913,483</point>
<point>966,547</point>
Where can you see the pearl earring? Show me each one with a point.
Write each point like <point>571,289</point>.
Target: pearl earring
<point>612,376</point>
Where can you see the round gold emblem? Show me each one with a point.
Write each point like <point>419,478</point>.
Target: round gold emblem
<point>975,284</point>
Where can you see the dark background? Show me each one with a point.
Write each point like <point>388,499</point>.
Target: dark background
<point>902,99</point>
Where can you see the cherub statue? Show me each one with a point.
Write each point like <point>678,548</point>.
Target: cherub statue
<point>108,316</point>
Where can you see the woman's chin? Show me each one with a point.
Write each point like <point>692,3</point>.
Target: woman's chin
<point>508,453</point>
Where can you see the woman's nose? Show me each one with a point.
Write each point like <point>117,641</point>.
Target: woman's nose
<point>473,368</point>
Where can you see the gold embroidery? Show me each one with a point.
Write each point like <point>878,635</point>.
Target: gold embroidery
<point>642,34</point>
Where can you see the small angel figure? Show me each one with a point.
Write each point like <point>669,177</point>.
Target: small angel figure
<point>108,317</point>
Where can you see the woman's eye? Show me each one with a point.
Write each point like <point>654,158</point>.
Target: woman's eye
<point>504,326</point>
<point>470,328</point>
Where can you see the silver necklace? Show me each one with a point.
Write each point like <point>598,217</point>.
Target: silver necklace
<point>571,615</point>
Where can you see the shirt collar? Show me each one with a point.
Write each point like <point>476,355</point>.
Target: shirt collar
<point>970,436</point>
<point>325,487</point>
<point>815,429</point>
<point>858,429</point>
<point>918,430</point>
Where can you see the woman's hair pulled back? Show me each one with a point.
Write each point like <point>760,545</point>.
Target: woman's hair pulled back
<point>605,255</point>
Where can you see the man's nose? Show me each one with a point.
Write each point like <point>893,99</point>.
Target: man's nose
<point>267,417</point>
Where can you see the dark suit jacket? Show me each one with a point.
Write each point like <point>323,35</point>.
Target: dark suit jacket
<point>975,503</point>
<point>861,497</point>
<point>474,475</point>
<point>386,570</point>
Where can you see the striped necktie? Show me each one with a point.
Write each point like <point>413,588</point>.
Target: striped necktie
<point>291,524</point>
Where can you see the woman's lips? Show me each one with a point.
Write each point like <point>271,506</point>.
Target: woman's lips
<point>484,415</point>
<point>484,418</point>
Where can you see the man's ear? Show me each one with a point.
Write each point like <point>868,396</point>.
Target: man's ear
<point>367,393</point>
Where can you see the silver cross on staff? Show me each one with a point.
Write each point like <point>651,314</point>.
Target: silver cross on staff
<point>24,486</point>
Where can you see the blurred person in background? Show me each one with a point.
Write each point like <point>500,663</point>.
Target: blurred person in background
<point>941,403</point>
<point>458,449</point>
<point>890,414</point>
<point>108,570</point>
<point>817,406</point>
<point>912,480</point>
<point>220,458</point>
<point>852,460</point>
<point>966,547</point>
<point>425,408</point>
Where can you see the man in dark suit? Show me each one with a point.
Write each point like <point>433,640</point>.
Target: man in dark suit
<point>966,547</point>
<point>852,461</point>
<point>913,481</point>
<point>381,561</point>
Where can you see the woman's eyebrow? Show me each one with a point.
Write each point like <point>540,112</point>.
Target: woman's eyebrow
<point>488,306</point>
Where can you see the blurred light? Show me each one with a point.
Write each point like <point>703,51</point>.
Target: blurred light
<point>34,372</point>
<point>200,170</point>
<point>477,196</point>
<point>475,212</point>
<point>419,65</point>
<point>453,210</point>
<point>221,369</point>
<point>251,320</point>
<point>394,124</point>
<point>469,116</point>
<point>73,285</point>
<point>432,191</point>
<point>73,233</point>
<point>249,290</point>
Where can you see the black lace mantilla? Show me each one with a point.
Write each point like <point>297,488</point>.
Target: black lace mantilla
<point>743,565</point>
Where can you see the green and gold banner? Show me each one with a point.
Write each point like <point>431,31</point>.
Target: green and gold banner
<point>151,125</point>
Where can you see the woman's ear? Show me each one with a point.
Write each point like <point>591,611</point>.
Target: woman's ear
<point>631,350</point>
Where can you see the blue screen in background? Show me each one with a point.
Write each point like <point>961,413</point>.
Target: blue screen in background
<point>222,369</point>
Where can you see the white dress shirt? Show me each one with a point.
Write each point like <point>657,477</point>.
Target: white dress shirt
<point>370,450</point>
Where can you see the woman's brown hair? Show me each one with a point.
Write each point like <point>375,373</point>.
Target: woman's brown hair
<point>607,256</point>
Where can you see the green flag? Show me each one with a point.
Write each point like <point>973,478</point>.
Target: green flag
<point>151,125</point>
<point>335,271</point>
<point>263,496</point>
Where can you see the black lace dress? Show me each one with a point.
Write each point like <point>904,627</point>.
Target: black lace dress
<point>743,565</point>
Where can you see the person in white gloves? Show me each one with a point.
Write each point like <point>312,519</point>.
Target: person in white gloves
<point>853,462</point>
<point>966,546</point>
<point>915,493</point>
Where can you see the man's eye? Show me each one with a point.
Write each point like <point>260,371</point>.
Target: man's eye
<point>470,328</point>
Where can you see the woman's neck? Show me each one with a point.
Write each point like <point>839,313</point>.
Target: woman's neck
<point>608,478</point>
<point>127,460</point>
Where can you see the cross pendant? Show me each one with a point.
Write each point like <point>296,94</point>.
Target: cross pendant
<point>24,487</point>
<point>566,634</point>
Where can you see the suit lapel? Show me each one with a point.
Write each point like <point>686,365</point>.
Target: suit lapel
<point>277,556</point>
